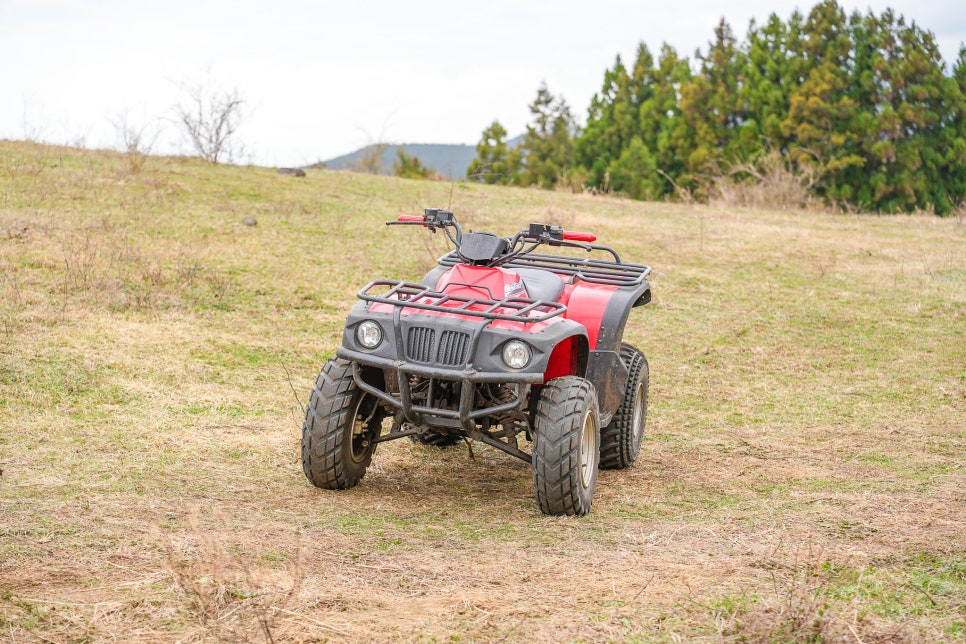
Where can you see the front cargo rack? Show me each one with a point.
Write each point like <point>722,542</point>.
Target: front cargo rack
<point>595,271</point>
<point>415,296</point>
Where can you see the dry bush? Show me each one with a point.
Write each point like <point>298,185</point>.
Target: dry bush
<point>799,611</point>
<point>221,592</point>
<point>135,140</point>
<point>574,182</point>
<point>769,182</point>
<point>807,603</point>
<point>210,117</point>
<point>370,160</point>
<point>685,194</point>
<point>119,274</point>
<point>796,612</point>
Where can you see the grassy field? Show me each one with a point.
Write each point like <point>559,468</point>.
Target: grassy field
<point>802,477</point>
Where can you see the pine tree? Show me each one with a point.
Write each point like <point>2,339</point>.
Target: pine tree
<point>858,106</point>
<point>661,125</point>
<point>410,167</point>
<point>903,93</point>
<point>600,143</point>
<point>714,110</point>
<point>548,144</point>
<point>494,162</point>
<point>632,109</point>
<point>825,124</point>
<point>774,69</point>
<point>954,133</point>
<point>634,172</point>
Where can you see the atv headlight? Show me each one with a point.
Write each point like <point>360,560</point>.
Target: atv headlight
<point>516,354</point>
<point>369,334</point>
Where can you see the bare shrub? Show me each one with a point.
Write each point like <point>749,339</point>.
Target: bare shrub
<point>82,257</point>
<point>797,614</point>
<point>11,301</point>
<point>222,592</point>
<point>210,117</point>
<point>685,195</point>
<point>574,182</point>
<point>135,140</point>
<point>33,122</point>
<point>769,182</point>
<point>370,160</point>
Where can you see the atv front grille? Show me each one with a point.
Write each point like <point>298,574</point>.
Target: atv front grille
<point>451,351</point>
<point>419,348</point>
<point>453,346</point>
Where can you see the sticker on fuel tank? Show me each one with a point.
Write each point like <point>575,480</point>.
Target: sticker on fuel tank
<point>510,290</point>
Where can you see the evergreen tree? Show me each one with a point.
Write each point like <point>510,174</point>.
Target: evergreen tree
<point>825,124</point>
<point>717,132</point>
<point>410,167</point>
<point>494,162</point>
<point>634,172</point>
<point>615,120</point>
<point>662,129</point>
<point>954,133</point>
<point>548,144</point>
<point>600,143</point>
<point>902,93</point>
<point>774,69</point>
<point>859,107</point>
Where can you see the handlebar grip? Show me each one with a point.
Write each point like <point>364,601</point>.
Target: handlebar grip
<point>412,218</point>
<point>583,237</point>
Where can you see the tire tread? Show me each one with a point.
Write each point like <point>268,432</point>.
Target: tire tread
<point>556,448</point>
<point>325,460</point>
<point>618,450</point>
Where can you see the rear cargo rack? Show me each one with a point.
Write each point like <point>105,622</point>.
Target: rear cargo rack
<point>595,271</point>
<point>420,296</point>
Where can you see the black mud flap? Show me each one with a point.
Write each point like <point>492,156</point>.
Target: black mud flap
<point>607,372</point>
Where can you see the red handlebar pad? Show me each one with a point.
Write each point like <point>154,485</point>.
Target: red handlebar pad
<point>584,237</point>
<point>414,218</point>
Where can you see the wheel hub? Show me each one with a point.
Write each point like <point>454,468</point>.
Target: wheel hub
<point>588,444</point>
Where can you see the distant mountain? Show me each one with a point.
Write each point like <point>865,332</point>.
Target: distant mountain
<point>449,160</point>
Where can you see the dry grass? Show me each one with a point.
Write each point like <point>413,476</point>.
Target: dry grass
<point>802,477</point>
<point>769,182</point>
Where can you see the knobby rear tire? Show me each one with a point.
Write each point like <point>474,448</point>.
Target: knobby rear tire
<point>620,441</point>
<point>566,446</point>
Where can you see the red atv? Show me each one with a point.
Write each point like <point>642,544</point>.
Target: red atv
<point>497,343</point>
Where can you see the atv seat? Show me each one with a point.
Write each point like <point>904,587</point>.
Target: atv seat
<point>541,285</point>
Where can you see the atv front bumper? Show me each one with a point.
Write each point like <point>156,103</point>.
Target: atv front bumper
<point>465,417</point>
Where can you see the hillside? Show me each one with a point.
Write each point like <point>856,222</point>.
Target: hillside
<point>801,477</point>
<point>450,161</point>
<point>447,160</point>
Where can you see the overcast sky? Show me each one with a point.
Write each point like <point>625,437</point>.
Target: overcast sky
<point>324,78</point>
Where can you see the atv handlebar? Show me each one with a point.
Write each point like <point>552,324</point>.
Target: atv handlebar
<point>582,237</point>
<point>521,243</point>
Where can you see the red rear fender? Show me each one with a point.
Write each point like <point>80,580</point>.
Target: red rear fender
<point>586,304</point>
